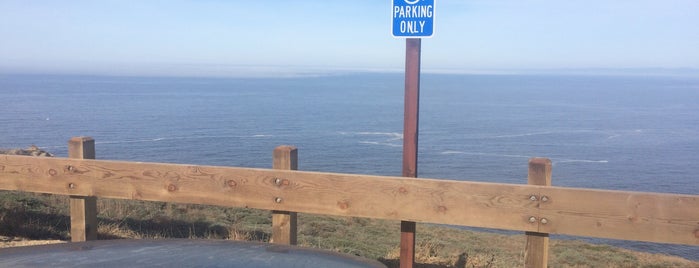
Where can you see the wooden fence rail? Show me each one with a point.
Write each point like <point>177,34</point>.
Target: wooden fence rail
<point>536,209</point>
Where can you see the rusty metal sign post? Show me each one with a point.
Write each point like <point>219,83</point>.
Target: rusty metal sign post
<point>412,19</point>
<point>410,135</point>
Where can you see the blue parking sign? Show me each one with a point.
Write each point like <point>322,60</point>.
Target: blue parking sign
<point>413,18</point>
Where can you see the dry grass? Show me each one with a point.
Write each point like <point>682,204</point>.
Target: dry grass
<point>45,217</point>
<point>8,242</point>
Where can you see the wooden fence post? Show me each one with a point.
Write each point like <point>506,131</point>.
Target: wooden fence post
<point>536,253</point>
<point>83,209</point>
<point>284,222</point>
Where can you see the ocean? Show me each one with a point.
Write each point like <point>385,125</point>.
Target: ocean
<point>637,133</point>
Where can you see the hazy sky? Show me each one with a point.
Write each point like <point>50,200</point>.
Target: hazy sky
<point>226,37</point>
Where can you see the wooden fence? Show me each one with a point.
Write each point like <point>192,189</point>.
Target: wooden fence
<point>537,208</point>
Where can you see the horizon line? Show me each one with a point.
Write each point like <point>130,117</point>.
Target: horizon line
<point>285,71</point>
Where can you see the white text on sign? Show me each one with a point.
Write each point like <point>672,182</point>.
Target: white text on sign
<point>413,18</point>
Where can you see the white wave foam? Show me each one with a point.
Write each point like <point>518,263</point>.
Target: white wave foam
<point>548,133</point>
<point>613,136</point>
<point>129,141</point>
<point>372,133</point>
<point>377,133</point>
<point>524,134</point>
<point>485,154</point>
<point>381,143</point>
<point>516,156</point>
<point>391,135</point>
<point>581,161</point>
<point>391,139</point>
<point>193,137</point>
<point>501,155</point>
<point>523,156</point>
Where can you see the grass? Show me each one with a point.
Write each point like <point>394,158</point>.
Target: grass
<point>43,216</point>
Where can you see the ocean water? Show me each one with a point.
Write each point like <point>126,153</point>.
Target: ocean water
<point>609,132</point>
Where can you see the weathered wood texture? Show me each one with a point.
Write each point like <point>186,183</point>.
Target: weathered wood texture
<point>81,148</point>
<point>83,209</point>
<point>83,218</point>
<point>423,200</point>
<point>536,252</point>
<point>653,217</point>
<point>284,230</point>
<point>621,215</point>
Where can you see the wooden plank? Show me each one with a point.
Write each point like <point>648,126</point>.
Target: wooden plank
<point>652,217</point>
<point>284,230</point>
<point>285,157</point>
<point>284,227</point>
<point>83,218</point>
<point>83,209</point>
<point>475,204</point>
<point>81,148</point>
<point>536,252</point>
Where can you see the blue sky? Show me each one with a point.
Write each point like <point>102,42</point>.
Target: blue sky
<point>229,38</point>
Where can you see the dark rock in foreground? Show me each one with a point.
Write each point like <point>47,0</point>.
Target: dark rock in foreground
<point>31,151</point>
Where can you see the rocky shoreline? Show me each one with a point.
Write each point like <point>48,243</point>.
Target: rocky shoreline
<point>30,151</point>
